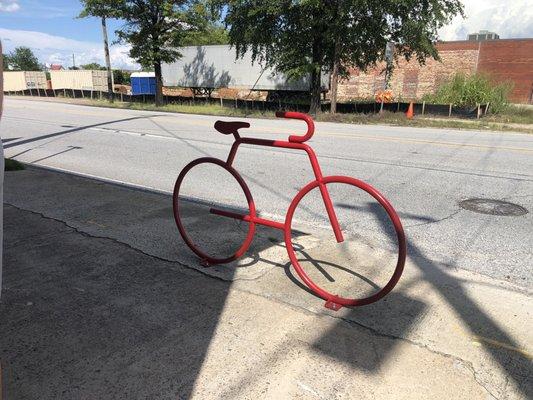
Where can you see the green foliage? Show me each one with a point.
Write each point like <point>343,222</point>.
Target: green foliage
<point>468,91</point>
<point>93,66</point>
<point>23,59</point>
<point>300,37</point>
<point>519,114</point>
<point>100,8</point>
<point>5,62</point>
<point>121,78</point>
<point>213,33</point>
<point>155,28</point>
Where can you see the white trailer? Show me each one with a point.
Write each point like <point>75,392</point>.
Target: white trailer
<point>216,66</point>
<point>15,81</point>
<point>79,80</point>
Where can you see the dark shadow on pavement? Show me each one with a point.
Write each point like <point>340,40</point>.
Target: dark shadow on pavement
<point>65,132</point>
<point>518,367</point>
<point>86,317</point>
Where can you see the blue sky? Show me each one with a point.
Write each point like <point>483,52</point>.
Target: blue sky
<point>56,17</point>
<point>51,29</point>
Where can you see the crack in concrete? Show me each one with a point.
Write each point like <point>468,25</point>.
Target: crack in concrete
<point>468,364</point>
<point>92,236</point>
<point>435,221</point>
<point>373,331</point>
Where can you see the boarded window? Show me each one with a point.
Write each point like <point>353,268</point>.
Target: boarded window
<point>410,84</point>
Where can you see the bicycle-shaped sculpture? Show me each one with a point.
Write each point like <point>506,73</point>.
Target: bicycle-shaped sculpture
<point>321,182</point>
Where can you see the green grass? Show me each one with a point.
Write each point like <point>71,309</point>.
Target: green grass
<point>12,165</point>
<point>202,109</point>
<point>513,114</point>
<point>399,119</point>
<point>499,122</point>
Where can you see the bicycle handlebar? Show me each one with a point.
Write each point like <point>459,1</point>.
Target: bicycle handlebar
<point>304,117</point>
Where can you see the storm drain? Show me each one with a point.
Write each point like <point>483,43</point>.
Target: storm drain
<point>492,207</point>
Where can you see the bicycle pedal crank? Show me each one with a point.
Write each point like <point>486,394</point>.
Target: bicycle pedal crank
<point>332,305</point>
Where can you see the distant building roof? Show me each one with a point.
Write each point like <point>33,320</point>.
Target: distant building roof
<point>56,67</point>
<point>483,35</point>
<point>143,75</point>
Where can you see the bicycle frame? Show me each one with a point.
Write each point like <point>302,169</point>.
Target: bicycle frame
<point>295,143</point>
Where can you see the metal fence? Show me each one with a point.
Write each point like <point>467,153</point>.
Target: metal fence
<point>262,106</point>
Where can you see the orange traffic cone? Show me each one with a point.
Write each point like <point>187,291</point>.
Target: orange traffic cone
<point>410,111</point>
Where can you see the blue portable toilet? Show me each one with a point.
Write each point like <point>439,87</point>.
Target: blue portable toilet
<point>143,83</point>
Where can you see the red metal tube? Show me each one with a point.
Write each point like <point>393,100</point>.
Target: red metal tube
<point>248,218</point>
<point>304,117</point>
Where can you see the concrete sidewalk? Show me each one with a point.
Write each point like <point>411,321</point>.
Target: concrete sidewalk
<point>103,300</point>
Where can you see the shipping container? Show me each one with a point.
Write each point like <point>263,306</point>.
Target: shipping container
<point>143,83</point>
<point>216,66</point>
<point>15,81</point>
<point>79,80</point>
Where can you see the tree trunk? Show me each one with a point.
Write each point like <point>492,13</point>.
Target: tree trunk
<point>108,62</point>
<point>159,84</point>
<point>316,86</point>
<point>314,107</point>
<point>334,82</point>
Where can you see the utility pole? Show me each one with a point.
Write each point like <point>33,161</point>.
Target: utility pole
<point>73,61</point>
<point>108,62</point>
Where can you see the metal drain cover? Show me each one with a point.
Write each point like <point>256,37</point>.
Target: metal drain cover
<point>492,207</point>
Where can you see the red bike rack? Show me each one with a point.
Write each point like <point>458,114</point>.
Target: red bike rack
<point>295,142</point>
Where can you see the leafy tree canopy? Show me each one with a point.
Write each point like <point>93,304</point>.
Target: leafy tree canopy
<point>5,62</point>
<point>93,66</point>
<point>155,28</point>
<point>213,33</point>
<point>23,59</point>
<point>301,37</point>
<point>101,8</point>
<point>121,78</point>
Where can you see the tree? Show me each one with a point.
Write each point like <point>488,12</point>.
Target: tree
<point>212,33</point>
<point>121,77</point>
<point>308,37</point>
<point>103,9</point>
<point>93,66</point>
<point>5,62</point>
<point>156,28</point>
<point>23,59</point>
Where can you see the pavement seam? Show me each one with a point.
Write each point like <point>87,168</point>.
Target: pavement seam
<point>371,330</point>
<point>92,236</point>
<point>436,221</point>
<point>468,364</point>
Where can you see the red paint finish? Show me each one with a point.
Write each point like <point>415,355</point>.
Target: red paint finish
<point>295,142</point>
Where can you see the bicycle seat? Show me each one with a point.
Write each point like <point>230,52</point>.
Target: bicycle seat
<point>230,127</point>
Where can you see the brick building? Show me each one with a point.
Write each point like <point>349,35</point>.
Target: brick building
<point>505,59</point>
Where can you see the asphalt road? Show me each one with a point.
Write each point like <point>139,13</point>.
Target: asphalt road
<point>425,173</point>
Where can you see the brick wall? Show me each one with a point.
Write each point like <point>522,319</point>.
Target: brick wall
<point>505,59</point>
<point>510,60</point>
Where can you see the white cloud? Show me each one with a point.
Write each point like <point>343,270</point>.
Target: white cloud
<point>57,49</point>
<point>9,6</point>
<point>509,19</point>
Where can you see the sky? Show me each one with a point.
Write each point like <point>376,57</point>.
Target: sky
<point>50,28</point>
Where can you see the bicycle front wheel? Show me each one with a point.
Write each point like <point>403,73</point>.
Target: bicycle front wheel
<point>206,193</point>
<point>367,263</point>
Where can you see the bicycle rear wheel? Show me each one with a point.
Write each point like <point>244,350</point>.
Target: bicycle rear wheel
<point>201,221</point>
<point>363,257</point>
